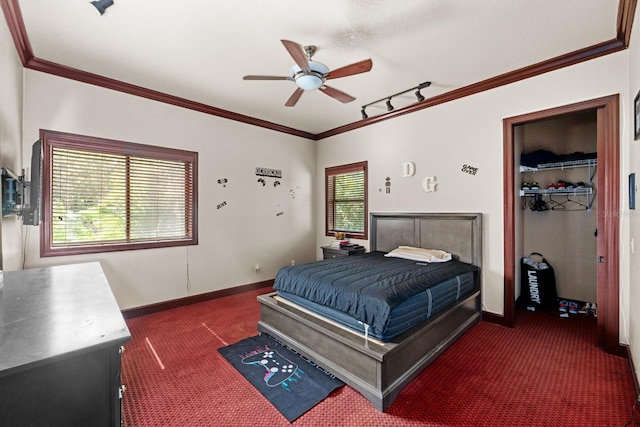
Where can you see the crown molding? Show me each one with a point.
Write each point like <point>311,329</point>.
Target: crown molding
<point>15,22</point>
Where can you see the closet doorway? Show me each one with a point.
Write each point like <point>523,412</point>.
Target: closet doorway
<point>606,205</point>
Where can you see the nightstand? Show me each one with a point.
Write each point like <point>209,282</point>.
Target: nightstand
<point>329,252</point>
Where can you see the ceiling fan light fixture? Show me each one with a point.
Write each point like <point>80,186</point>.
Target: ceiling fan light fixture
<point>313,79</point>
<point>102,5</point>
<point>309,81</point>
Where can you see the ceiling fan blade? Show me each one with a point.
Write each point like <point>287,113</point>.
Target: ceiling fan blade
<point>349,70</point>
<point>337,94</point>
<point>293,99</point>
<point>295,50</point>
<point>267,78</point>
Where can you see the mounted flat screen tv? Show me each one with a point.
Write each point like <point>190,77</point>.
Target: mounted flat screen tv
<point>31,215</point>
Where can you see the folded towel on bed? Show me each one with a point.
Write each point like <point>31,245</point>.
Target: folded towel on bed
<point>420,254</point>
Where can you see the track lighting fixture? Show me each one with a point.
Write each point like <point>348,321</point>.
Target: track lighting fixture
<point>389,106</point>
<point>102,5</point>
<point>387,99</point>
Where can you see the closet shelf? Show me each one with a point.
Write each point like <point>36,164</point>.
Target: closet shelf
<point>575,191</point>
<point>561,165</point>
<point>586,191</point>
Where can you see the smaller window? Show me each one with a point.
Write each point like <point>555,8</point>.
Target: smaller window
<point>101,195</point>
<point>346,200</point>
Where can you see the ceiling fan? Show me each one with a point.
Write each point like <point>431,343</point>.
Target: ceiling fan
<point>310,75</point>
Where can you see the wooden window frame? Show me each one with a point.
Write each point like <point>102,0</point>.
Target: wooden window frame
<point>342,169</point>
<point>50,139</point>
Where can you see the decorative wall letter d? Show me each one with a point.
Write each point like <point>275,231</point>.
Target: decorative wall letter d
<point>408,169</point>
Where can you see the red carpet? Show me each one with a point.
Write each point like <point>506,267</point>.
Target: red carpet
<point>545,372</point>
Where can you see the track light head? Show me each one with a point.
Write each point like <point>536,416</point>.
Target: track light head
<point>102,5</point>
<point>389,106</point>
<point>419,95</point>
<point>364,114</point>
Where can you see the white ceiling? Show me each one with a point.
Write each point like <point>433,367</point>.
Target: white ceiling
<point>200,49</point>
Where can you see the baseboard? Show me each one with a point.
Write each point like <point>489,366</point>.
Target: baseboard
<point>633,372</point>
<point>193,299</point>
<point>493,318</point>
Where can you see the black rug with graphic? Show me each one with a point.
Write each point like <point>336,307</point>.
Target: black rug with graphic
<point>290,382</point>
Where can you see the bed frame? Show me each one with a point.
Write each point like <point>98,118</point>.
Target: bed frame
<point>381,370</point>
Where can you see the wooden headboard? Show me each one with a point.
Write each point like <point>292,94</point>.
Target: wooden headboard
<point>457,233</point>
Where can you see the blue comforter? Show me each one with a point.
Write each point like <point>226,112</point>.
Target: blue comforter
<point>365,287</point>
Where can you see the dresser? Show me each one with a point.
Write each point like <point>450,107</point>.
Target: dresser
<point>61,334</point>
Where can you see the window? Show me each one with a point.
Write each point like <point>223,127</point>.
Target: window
<point>346,192</point>
<point>101,195</point>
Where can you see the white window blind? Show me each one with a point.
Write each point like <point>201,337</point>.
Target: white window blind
<point>107,198</point>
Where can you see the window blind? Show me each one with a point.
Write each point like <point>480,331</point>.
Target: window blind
<point>346,199</point>
<point>100,198</point>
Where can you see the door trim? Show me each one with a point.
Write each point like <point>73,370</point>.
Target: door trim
<point>608,196</point>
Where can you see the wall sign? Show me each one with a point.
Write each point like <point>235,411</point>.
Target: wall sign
<point>469,169</point>
<point>274,173</point>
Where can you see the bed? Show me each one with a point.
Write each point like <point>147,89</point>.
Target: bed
<point>379,368</point>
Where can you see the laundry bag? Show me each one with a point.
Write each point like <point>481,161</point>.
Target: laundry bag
<point>537,284</point>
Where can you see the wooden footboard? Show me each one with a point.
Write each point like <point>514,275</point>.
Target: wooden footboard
<point>377,370</point>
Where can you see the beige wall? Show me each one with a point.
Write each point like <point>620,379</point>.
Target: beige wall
<point>269,225</point>
<point>631,218</point>
<point>11,76</point>
<point>441,139</point>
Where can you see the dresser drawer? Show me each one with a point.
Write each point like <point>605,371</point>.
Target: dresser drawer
<point>331,253</point>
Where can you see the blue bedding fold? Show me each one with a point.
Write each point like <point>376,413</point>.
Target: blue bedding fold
<point>365,287</point>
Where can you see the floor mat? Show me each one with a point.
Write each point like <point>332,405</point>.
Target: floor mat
<point>290,382</point>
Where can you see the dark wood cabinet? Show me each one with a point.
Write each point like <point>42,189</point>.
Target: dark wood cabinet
<point>329,252</point>
<point>61,332</point>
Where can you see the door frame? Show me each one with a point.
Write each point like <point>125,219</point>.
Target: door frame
<point>608,197</point>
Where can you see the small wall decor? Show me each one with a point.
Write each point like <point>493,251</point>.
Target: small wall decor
<point>636,116</point>
<point>102,5</point>
<point>408,169</point>
<point>632,191</point>
<point>223,204</point>
<point>387,185</point>
<point>223,181</point>
<point>429,184</point>
<point>271,173</point>
<point>469,169</point>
